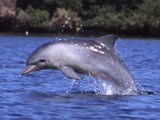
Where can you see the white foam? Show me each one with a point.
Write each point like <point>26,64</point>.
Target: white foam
<point>104,88</point>
<point>100,87</point>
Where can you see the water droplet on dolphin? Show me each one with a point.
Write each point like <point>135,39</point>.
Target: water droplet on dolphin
<point>85,43</point>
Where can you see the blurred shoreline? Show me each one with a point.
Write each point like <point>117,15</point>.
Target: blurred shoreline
<point>135,18</point>
<point>90,34</point>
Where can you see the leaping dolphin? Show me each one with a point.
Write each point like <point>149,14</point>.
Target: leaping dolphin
<point>93,57</point>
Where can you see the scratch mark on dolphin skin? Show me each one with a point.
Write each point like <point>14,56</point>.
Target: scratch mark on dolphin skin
<point>96,50</point>
<point>93,49</point>
<point>102,44</point>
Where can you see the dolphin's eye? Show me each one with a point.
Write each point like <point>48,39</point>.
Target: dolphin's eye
<point>41,60</point>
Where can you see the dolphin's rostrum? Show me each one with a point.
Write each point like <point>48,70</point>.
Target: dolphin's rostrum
<point>93,57</point>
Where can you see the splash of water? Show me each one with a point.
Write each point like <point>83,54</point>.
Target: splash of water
<point>97,86</point>
<point>102,87</point>
<point>74,86</point>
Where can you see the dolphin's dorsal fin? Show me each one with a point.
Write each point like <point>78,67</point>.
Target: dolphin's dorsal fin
<point>108,41</point>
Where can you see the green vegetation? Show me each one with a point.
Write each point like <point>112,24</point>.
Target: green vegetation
<point>131,17</point>
<point>37,17</point>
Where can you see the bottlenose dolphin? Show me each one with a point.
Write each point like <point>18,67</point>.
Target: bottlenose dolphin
<point>93,57</point>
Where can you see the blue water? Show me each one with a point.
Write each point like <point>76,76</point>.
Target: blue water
<point>48,94</point>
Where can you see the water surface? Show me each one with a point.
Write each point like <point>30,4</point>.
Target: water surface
<point>48,94</point>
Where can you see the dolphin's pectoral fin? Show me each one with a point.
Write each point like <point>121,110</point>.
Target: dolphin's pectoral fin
<point>69,72</point>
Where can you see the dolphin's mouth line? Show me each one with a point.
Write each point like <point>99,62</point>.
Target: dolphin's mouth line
<point>30,68</point>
